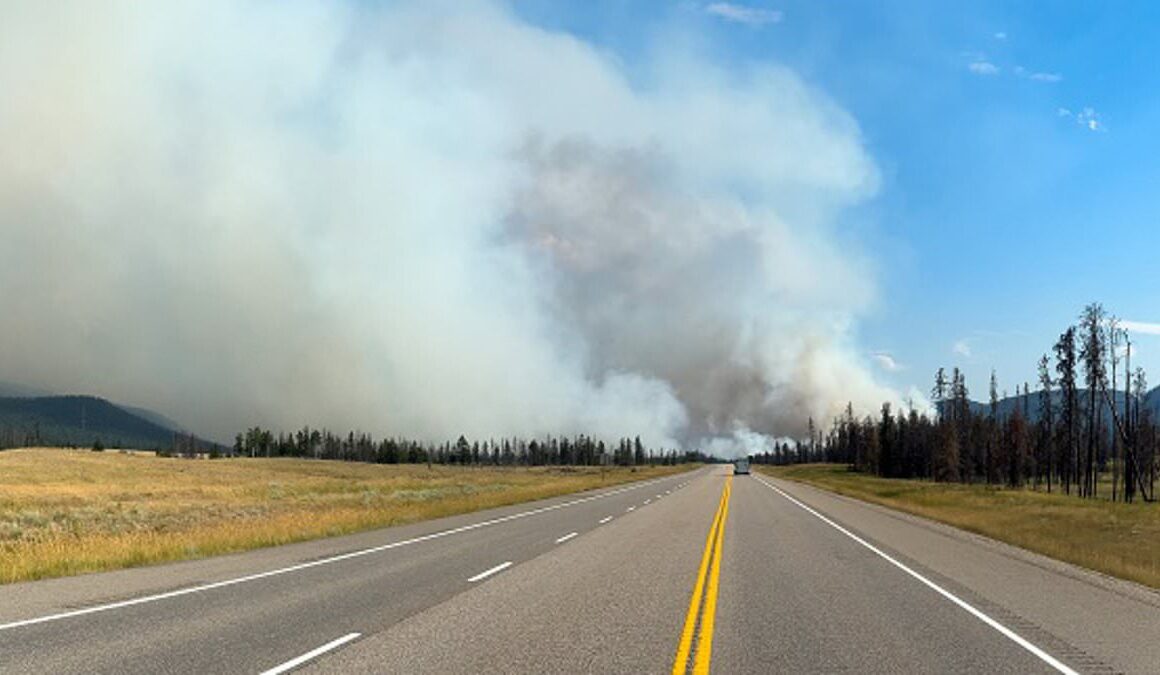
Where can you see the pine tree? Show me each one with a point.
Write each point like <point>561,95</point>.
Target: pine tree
<point>1046,444</point>
<point>1065,366</point>
<point>990,462</point>
<point>1095,377</point>
<point>939,392</point>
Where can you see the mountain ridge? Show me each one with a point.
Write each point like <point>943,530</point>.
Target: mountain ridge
<point>1005,407</point>
<point>81,420</point>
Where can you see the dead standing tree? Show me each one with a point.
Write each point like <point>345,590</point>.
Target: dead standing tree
<point>1094,341</point>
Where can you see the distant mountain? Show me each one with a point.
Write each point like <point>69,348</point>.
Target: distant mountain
<point>81,421</point>
<point>154,417</point>
<point>1007,406</point>
<point>10,389</point>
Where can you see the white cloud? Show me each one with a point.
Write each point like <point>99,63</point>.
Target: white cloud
<point>1090,120</point>
<point>1000,35</point>
<point>1087,118</point>
<point>1052,78</point>
<point>983,68</point>
<point>750,16</point>
<point>962,347</point>
<point>886,361</point>
<point>1141,327</point>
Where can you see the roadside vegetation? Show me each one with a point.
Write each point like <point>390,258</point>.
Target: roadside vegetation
<point>1116,538</point>
<point>66,512</point>
<point>1091,429</point>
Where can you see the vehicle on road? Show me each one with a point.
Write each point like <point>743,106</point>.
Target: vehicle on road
<point>741,466</point>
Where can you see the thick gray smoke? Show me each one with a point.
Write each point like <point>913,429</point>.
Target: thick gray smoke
<point>428,219</point>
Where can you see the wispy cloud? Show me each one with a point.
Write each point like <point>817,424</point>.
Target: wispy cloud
<point>1090,119</point>
<point>1142,327</point>
<point>750,16</point>
<point>962,347</point>
<point>1045,77</point>
<point>887,362</point>
<point>1022,72</point>
<point>1000,35</point>
<point>1087,118</point>
<point>983,68</point>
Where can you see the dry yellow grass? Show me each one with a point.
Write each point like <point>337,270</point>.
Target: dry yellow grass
<point>66,512</point>
<point>1121,540</point>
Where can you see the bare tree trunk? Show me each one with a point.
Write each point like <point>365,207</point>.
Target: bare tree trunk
<point>1116,447</point>
<point>1129,431</point>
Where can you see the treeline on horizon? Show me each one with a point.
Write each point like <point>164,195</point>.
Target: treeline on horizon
<point>31,435</point>
<point>1063,436</point>
<point>580,450</point>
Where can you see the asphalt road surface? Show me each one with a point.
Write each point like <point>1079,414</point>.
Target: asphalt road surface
<point>699,571</point>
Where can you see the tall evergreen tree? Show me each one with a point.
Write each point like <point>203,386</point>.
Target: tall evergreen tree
<point>1092,353</point>
<point>1065,367</point>
<point>1046,426</point>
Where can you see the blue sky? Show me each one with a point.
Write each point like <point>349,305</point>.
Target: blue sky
<point>1016,143</point>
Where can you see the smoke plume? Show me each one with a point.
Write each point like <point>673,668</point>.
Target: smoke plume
<point>427,219</point>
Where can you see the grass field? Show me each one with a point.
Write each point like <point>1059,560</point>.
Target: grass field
<point>66,512</point>
<point>1121,540</point>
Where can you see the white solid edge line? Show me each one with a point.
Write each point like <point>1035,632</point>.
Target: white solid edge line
<point>1007,632</point>
<point>566,537</point>
<point>313,563</point>
<point>605,519</point>
<point>294,663</point>
<point>487,573</point>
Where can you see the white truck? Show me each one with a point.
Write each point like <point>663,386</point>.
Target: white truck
<point>741,466</point>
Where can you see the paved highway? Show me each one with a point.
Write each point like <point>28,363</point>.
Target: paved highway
<point>738,574</point>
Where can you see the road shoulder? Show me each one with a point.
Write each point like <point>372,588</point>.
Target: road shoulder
<point>1086,618</point>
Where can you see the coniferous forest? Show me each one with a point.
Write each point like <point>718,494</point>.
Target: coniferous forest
<point>1085,427</point>
<point>548,451</point>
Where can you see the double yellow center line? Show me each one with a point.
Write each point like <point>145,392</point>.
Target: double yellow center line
<point>704,600</point>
